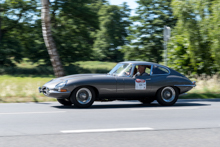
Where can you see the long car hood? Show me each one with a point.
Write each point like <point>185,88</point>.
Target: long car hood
<point>54,82</point>
<point>79,76</point>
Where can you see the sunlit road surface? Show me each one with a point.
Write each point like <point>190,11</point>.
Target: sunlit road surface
<point>119,123</point>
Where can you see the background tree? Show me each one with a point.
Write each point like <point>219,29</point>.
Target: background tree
<point>74,26</point>
<point>50,44</point>
<point>214,32</point>
<point>146,34</point>
<point>74,23</point>
<point>113,22</point>
<point>190,46</point>
<point>14,18</point>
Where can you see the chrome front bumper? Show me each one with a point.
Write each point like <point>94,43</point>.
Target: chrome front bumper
<point>53,93</point>
<point>39,89</point>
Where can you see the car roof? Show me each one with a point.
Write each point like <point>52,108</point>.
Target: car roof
<point>141,62</point>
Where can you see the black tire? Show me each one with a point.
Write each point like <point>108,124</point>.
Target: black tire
<point>167,96</point>
<point>83,97</point>
<point>147,100</point>
<point>65,102</point>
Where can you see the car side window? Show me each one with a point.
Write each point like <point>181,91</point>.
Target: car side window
<point>147,70</point>
<point>144,69</point>
<point>160,70</point>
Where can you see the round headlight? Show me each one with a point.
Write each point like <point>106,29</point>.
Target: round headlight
<point>61,85</point>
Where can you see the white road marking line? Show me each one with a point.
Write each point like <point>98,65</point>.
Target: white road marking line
<point>106,130</point>
<point>174,108</point>
<point>33,112</point>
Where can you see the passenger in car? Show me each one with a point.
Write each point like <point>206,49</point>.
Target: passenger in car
<point>135,71</point>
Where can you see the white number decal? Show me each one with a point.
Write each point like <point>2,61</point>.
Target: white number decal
<point>140,84</point>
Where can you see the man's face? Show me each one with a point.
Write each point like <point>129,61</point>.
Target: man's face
<point>140,68</point>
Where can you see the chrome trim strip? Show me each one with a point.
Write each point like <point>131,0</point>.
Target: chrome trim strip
<point>151,70</point>
<point>186,85</point>
<point>53,91</point>
<point>160,74</point>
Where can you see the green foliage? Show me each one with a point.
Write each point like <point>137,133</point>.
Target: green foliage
<point>14,16</point>
<point>214,31</point>
<point>146,39</point>
<point>76,26</point>
<point>9,47</point>
<point>33,44</point>
<point>73,22</point>
<point>94,30</point>
<point>195,43</point>
<point>112,33</point>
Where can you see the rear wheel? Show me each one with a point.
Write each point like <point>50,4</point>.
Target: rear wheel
<point>83,97</point>
<point>147,100</point>
<point>167,96</point>
<point>65,102</point>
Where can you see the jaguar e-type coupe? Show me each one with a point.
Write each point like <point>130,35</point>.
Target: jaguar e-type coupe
<point>130,80</point>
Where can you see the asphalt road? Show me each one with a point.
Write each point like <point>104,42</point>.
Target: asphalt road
<point>119,123</point>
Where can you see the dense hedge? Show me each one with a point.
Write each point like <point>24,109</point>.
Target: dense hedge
<point>47,70</point>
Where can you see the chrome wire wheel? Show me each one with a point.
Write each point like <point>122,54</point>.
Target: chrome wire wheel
<point>168,94</point>
<point>83,96</point>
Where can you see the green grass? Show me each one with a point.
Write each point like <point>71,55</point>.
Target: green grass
<point>21,89</point>
<point>22,82</point>
<point>25,89</point>
<point>200,96</point>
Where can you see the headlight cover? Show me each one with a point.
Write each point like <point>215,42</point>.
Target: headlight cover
<point>61,85</point>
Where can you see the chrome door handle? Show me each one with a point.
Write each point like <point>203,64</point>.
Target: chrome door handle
<point>148,79</point>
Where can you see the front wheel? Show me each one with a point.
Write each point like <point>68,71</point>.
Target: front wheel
<point>167,96</point>
<point>83,97</point>
<point>65,102</point>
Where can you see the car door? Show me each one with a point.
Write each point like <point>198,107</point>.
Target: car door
<point>138,87</point>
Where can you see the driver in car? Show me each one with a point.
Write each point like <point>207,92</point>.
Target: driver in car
<point>141,69</point>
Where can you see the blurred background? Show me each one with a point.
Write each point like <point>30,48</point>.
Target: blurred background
<point>91,36</point>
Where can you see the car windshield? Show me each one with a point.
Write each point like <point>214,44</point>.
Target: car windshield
<point>121,69</point>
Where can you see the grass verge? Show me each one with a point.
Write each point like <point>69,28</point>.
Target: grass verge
<point>22,82</point>
<point>22,89</point>
<point>25,89</point>
<point>200,96</point>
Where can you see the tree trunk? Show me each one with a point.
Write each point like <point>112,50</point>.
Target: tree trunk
<point>48,39</point>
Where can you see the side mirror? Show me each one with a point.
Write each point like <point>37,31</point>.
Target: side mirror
<point>137,74</point>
